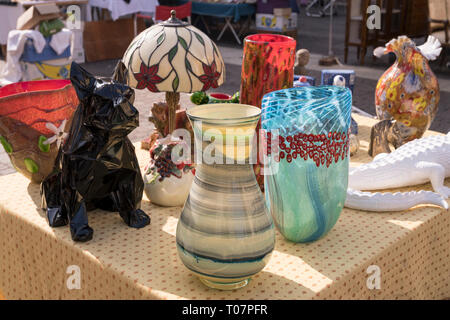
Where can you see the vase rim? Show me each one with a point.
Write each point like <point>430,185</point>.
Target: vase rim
<point>329,92</point>
<point>269,38</point>
<point>29,87</point>
<point>232,112</point>
<point>291,102</point>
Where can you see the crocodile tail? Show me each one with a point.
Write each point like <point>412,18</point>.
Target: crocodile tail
<point>398,201</point>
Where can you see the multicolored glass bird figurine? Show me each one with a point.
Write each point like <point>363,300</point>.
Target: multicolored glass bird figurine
<point>407,94</point>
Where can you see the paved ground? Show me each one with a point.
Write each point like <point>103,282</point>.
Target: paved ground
<point>313,35</point>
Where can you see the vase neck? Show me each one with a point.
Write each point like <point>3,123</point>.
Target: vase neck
<point>405,51</point>
<point>225,146</point>
<point>226,175</point>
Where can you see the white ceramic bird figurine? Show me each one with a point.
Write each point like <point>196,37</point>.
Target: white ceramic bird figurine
<point>407,94</point>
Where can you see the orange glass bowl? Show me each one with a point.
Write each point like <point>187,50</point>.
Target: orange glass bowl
<point>30,114</point>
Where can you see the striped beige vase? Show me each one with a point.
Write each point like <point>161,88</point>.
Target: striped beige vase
<point>225,234</point>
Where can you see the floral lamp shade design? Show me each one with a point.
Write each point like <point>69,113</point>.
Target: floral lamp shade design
<point>172,57</point>
<point>168,58</point>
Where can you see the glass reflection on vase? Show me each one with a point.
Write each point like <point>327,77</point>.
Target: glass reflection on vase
<point>225,234</point>
<point>306,133</point>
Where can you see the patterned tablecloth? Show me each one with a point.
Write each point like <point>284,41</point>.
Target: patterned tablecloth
<point>411,250</point>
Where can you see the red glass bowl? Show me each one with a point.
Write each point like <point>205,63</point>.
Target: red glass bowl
<point>26,110</point>
<point>32,86</point>
<point>220,96</point>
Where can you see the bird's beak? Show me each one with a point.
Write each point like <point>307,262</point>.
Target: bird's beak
<point>380,51</point>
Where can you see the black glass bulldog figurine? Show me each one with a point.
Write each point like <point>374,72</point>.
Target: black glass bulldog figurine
<point>97,166</point>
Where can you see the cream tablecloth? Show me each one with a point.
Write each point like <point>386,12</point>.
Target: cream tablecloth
<point>411,249</point>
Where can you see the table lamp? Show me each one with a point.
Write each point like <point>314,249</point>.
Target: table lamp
<point>173,56</point>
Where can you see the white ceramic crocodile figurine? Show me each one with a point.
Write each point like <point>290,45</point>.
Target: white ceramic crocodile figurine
<point>416,162</point>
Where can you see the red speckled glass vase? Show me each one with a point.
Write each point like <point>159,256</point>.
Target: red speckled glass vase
<point>268,65</point>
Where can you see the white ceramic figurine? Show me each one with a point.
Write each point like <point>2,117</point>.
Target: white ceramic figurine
<point>416,162</point>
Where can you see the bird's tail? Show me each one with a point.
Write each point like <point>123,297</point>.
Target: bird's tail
<point>431,49</point>
<point>398,201</point>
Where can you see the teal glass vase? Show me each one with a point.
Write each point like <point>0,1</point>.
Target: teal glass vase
<point>306,146</point>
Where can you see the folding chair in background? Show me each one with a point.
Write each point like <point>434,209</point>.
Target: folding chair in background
<point>439,24</point>
<point>162,13</point>
<point>183,12</point>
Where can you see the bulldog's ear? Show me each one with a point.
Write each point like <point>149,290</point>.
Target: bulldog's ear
<point>82,80</point>
<point>120,73</point>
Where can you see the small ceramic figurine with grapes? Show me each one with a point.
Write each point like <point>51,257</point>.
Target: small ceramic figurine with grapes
<point>167,183</point>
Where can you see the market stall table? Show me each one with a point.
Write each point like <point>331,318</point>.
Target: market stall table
<point>227,11</point>
<point>410,248</point>
<point>121,8</point>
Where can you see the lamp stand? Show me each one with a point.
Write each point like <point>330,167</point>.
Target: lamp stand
<point>172,99</point>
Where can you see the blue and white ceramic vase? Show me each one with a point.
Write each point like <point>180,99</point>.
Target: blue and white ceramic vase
<point>307,158</point>
<point>225,234</point>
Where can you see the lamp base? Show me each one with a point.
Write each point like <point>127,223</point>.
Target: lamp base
<point>172,99</point>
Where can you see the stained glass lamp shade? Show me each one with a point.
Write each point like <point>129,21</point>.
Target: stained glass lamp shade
<point>173,57</point>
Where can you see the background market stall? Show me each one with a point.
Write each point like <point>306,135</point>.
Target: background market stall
<point>230,12</point>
